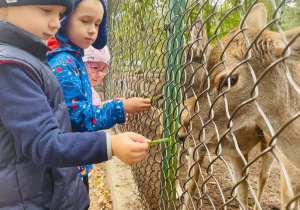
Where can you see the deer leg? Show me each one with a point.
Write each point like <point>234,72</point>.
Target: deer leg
<point>191,185</point>
<point>242,188</point>
<point>294,174</point>
<point>266,166</point>
<point>187,160</point>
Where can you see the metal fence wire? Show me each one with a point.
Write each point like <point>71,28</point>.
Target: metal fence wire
<point>223,77</point>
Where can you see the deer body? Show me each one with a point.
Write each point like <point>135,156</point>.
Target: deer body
<point>247,136</point>
<point>229,81</point>
<point>231,78</point>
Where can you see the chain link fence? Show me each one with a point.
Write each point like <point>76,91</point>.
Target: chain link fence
<point>223,78</point>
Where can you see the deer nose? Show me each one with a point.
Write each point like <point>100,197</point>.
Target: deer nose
<point>182,138</point>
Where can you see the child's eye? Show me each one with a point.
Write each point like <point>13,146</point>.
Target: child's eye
<point>84,21</point>
<point>46,10</point>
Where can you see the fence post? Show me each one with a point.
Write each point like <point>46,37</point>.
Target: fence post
<point>110,6</point>
<point>172,99</point>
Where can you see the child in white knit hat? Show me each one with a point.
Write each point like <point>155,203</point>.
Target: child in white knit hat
<point>96,63</point>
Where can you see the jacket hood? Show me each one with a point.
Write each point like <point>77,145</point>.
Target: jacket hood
<point>69,48</point>
<point>102,33</point>
<point>53,43</point>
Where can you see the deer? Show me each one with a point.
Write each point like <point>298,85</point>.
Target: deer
<point>252,75</point>
<point>247,137</point>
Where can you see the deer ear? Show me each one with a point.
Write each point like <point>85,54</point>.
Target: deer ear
<point>293,38</point>
<point>257,17</point>
<point>199,38</point>
<point>199,33</point>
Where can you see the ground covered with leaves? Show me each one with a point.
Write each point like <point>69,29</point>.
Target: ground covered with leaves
<point>99,192</point>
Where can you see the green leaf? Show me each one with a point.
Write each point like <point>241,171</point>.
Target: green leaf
<point>158,141</point>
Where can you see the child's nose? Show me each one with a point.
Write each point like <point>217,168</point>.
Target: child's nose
<point>92,29</point>
<point>100,76</point>
<point>55,23</point>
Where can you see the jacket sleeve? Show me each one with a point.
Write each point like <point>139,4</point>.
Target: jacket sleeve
<point>78,95</point>
<point>27,116</point>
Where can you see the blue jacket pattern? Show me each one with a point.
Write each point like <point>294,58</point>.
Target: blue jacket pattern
<point>67,65</point>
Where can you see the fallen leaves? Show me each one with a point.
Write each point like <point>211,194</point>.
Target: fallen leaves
<point>99,192</point>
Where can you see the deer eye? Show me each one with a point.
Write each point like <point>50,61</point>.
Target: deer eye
<point>224,81</point>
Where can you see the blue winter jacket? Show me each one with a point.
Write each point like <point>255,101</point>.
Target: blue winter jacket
<point>68,67</point>
<point>35,138</point>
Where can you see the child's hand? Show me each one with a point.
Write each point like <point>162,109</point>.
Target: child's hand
<point>129,147</point>
<point>135,105</point>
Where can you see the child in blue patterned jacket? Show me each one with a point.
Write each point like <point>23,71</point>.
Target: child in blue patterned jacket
<point>86,26</point>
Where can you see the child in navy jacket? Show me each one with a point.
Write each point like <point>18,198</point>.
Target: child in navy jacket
<point>39,154</point>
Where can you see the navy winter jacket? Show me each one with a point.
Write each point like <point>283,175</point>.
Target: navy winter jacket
<point>38,154</point>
